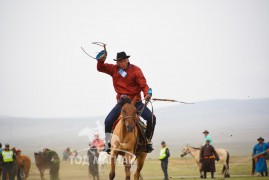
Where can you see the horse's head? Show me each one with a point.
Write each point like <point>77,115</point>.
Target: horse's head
<point>129,115</point>
<point>14,150</point>
<point>185,150</point>
<point>39,158</point>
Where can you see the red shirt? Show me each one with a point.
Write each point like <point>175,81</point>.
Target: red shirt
<point>99,144</point>
<point>131,85</point>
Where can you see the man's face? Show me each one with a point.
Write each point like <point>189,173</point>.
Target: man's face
<point>207,142</point>
<point>205,134</point>
<point>260,141</point>
<point>123,63</point>
<point>96,136</point>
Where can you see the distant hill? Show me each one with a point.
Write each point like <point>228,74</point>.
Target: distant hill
<point>233,124</point>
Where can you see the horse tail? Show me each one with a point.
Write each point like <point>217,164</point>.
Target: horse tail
<point>227,162</point>
<point>228,159</point>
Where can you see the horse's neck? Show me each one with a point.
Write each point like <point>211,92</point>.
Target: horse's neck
<point>194,152</point>
<point>121,131</point>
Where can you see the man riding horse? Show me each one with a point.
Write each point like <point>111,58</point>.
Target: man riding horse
<point>128,80</point>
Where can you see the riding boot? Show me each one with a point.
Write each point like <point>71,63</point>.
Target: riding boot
<point>149,147</point>
<point>262,174</point>
<point>107,143</point>
<point>204,174</point>
<point>149,134</point>
<point>266,173</point>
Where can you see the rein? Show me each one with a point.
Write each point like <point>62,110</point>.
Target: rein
<point>152,113</point>
<point>123,118</point>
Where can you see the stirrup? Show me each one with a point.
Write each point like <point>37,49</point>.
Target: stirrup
<point>108,149</point>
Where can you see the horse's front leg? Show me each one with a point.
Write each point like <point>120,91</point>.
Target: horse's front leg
<point>140,163</point>
<point>127,165</point>
<point>113,159</point>
<point>42,174</point>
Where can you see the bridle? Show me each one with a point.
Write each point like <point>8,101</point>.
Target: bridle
<point>134,117</point>
<point>187,151</point>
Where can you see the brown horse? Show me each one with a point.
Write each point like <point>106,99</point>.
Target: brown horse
<point>44,161</point>
<point>23,164</point>
<point>125,140</point>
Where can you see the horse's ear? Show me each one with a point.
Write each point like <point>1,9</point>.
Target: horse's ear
<point>134,100</point>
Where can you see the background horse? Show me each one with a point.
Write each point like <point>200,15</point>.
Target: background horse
<point>195,153</point>
<point>43,162</point>
<point>124,141</point>
<point>93,156</point>
<point>23,164</point>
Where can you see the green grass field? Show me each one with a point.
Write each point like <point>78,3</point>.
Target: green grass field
<point>179,168</point>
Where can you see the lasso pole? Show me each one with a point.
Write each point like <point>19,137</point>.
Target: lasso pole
<point>171,100</point>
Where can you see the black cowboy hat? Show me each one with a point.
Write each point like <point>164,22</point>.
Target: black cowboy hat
<point>121,55</point>
<point>260,138</point>
<point>206,131</point>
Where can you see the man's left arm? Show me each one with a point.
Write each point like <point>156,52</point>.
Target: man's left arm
<point>215,154</point>
<point>1,159</point>
<point>167,153</point>
<point>266,148</point>
<point>141,81</point>
<point>201,154</point>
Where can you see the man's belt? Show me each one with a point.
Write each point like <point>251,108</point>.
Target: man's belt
<point>259,156</point>
<point>209,157</point>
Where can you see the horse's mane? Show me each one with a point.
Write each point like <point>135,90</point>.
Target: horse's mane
<point>40,154</point>
<point>123,100</point>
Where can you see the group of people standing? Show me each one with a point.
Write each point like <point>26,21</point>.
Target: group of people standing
<point>208,156</point>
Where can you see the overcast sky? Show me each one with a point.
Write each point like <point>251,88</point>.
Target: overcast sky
<point>188,50</point>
